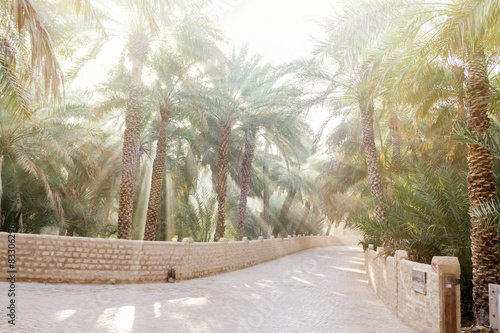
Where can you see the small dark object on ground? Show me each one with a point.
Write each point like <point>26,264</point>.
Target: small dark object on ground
<point>171,275</point>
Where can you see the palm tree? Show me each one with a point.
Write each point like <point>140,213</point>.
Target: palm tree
<point>303,220</point>
<point>157,175</point>
<point>279,118</point>
<point>222,161</point>
<point>265,195</point>
<point>195,40</point>
<point>246,170</point>
<point>481,187</point>
<point>143,27</point>
<point>199,215</point>
<point>294,182</point>
<point>352,35</point>
<point>356,91</point>
<point>139,50</point>
<point>235,91</point>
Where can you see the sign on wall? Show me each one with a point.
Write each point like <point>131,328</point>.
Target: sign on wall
<point>419,281</point>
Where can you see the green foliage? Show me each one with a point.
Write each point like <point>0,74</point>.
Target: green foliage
<point>428,216</point>
<point>199,215</point>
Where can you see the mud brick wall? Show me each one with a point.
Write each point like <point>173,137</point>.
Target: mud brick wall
<point>392,280</point>
<point>60,259</point>
<point>383,278</point>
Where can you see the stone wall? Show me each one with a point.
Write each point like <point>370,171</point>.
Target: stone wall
<point>60,259</point>
<point>392,280</point>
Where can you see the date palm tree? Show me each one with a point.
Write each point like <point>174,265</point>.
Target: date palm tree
<point>235,92</point>
<point>194,42</point>
<point>143,27</point>
<point>280,123</point>
<point>355,93</point>
<point>295,182</point>
<point>480,179</point>
<point>345,63</point>
<point>139,45</point>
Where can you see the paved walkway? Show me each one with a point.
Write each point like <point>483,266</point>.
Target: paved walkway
<point>318,290</point>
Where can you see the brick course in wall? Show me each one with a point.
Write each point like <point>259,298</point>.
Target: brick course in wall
<point>60,259</point>
<point>391,279</point>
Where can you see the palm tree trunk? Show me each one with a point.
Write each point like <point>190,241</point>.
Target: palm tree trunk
<point>109,203</point>
<point>329,228</point>
<point>246,171</point>
<point>64,230</point>
<point>266,199</point>
<point>20,218</point>
<point>283,218</point>
<point>222,161</point>
<point>170,204</point>
<point>304,218</point>
<point>396,144</point>
<point>372,162</point>
<point>482,190</point>
<point>130,161</point>
<point>157,176</point>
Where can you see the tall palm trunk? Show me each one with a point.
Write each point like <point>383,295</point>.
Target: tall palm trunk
<point>157,176</point>
<point>482,190</point>
<point>222,162</point>
<point>139,49</point>
<point>285,208</point>
<point>304,218</point>
<point>372,162</point>
<point>131,142</point>
<point>246,171</point>
<point>266,199</point>
<point>396,144</point>
<point>20,217</point>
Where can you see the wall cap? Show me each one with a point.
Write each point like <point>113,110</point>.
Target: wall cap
<point>401,255</point>
<point>446,265</point>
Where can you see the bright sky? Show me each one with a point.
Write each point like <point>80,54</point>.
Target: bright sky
<point>280,30</point>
